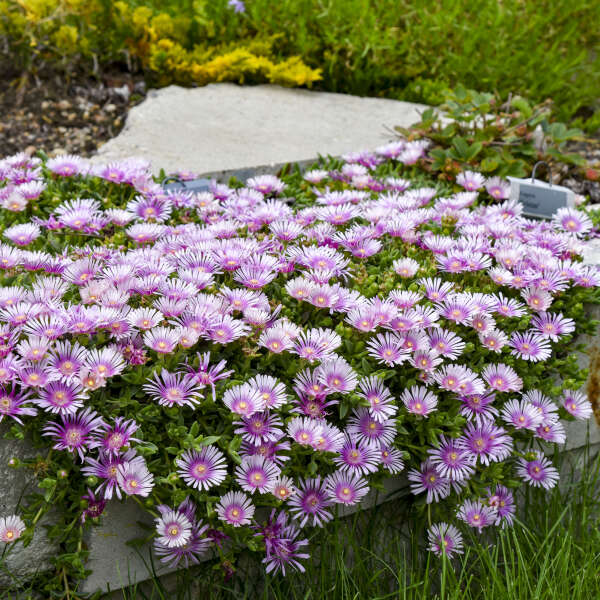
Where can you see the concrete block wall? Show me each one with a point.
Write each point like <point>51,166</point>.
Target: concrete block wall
<point>15,483</point>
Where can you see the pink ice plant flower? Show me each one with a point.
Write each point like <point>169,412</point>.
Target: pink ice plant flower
<point>11,528</point>
<point>445,539</point>
<point>376,345</point>
<point>235,509</point>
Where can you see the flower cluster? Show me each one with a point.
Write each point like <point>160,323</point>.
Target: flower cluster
<point>219,352</point>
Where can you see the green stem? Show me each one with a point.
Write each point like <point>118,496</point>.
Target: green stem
<point>66,582</point>
<point>39,513</point>
<point>149,510</point>
<point>444,561</point>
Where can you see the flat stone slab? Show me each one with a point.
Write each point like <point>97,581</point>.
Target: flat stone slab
<point>224,126</point>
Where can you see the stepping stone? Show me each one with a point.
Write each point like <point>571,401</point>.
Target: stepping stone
<point>224,126</point>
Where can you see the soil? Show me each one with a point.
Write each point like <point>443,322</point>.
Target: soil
<point>58,117</point>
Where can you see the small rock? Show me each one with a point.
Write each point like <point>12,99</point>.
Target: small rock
<point>539,139</point>
<point>110,107</point>
<point>124,92</point>
<point>64,105</point>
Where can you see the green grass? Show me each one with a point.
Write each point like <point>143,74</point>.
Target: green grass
<point>552,554</point>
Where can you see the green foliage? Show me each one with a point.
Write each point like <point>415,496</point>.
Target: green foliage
<point>479,131</point>
<point>165,46</point>
<point>551,554</point>
<point>393,48</point>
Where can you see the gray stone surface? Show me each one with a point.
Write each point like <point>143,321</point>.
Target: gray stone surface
<point>224,126</point>
<point>591,254</point>
<point>115,564</point>
<point>21,562</point>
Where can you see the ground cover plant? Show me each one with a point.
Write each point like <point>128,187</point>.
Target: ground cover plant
<point>499,136</point>
<point>241,361</point>
<point>408,50</point>
<point>379,554</point>
<point>480,131</point>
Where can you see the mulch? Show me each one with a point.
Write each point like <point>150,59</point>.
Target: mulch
<point>55,116</point>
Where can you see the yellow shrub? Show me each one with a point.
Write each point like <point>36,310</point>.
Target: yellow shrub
<point>232,65</point>
<point>293,72</point>
<point>122,8</point>
<point>262,46</point>
<point>59,28</point>
<point>36,10</point>
<point>171,62</point>
<point>162,26</point>
<point>140,19</point>
<point>168,58</point>
<point>66,39</point>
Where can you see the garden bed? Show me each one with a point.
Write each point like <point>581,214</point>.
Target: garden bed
<point>371,318</point>
<point>361,47</point>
